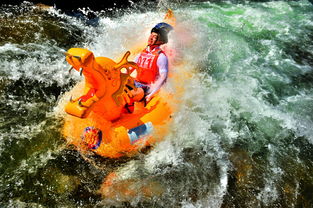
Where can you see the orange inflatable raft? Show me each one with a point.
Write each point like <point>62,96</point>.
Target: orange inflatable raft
<point>96,119</point>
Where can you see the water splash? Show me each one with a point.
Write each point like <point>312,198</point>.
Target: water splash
<point>242,135</point>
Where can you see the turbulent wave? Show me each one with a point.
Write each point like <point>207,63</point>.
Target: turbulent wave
<point>242,136</point>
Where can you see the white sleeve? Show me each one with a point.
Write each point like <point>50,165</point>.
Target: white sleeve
<point>162,63</point>
<point>136,59</point>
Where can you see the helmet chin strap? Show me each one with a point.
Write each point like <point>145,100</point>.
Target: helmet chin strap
<point>157,39</point>
<point>151,47</point>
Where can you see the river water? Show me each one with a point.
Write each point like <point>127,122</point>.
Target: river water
<point>241,137</point>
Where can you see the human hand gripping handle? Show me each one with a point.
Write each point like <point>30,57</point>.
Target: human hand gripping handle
<point>154,88</point>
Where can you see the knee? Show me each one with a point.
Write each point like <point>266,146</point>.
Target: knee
<point>138,94</point>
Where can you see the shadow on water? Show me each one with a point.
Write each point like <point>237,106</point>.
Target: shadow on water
<point>33,168</point>
<point>25,101</point>
<point>247,179</point>
<point>71,5</point>
<point>37,167</point>
<point>66,179</point>
<point>41,170</point>
<point>280,87</point>
<point>26,24</point>
<point>299,50</point>
<point>301,53</point>
<point>271,166</point>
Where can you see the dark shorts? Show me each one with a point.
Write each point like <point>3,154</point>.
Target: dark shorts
<point>143,86</point>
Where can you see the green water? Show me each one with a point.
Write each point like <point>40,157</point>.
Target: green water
<point>241,138</point>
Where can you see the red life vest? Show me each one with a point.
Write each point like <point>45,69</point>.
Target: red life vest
<point>148,69</point>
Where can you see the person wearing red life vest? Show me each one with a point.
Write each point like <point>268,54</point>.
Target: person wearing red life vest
<point>153,62</point>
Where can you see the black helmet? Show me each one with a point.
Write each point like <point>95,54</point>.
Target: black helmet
<point>162,29</point>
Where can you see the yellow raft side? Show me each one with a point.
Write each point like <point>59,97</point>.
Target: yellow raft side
<point>105,113</point>
<point>116,141</point>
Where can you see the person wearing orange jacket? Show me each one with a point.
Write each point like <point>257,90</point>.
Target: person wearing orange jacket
<point>153,62</point>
